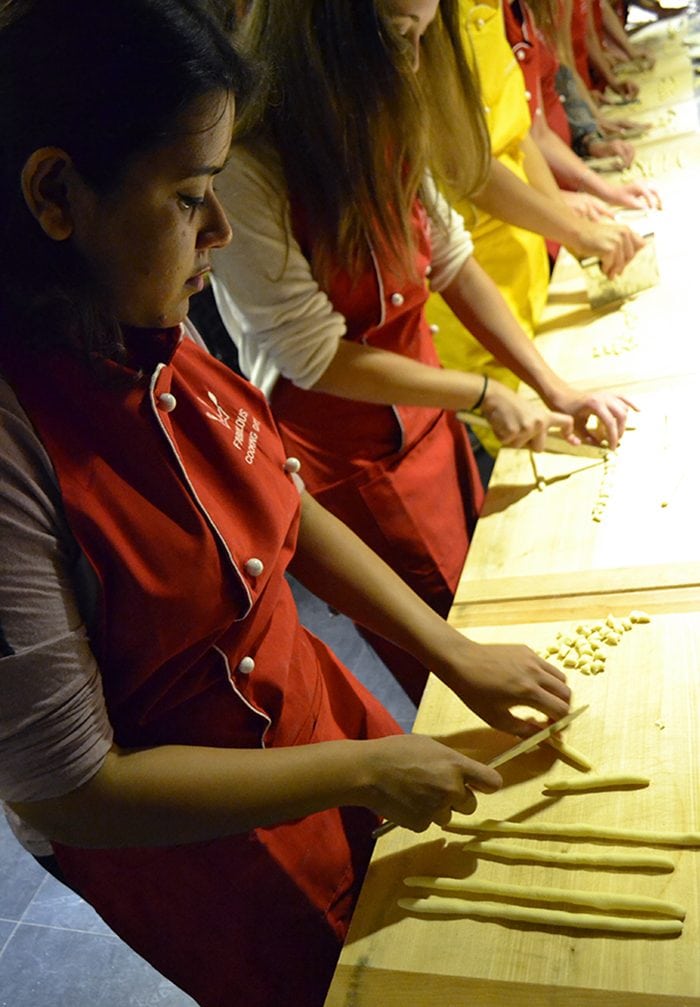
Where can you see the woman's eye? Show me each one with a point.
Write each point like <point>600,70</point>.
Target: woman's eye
<point>189,202</point>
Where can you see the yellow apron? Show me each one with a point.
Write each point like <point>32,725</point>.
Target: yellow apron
<point>514,258</point>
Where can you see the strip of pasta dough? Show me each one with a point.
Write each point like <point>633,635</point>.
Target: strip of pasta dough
<point>545,917</point>
<point>569,753</point>
<point>607,901</point>
<point>514,851</point>
<point>573,830</point>
<point>602,782</point>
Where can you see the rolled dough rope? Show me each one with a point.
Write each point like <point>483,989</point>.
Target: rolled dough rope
<point>545,917</point>
<point>607,901</point>
<point>603,782</point>
<point>569,753</point>
<point>513,851</point>
<point>575,830</point>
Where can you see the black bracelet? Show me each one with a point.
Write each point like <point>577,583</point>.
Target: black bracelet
<point>481,398</point>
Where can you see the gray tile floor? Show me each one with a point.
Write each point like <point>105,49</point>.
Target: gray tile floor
<point>55,951</point>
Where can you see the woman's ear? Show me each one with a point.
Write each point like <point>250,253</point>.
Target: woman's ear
<point>46,191</point>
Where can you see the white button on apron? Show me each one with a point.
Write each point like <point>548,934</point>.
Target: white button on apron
<point>521,55</point>
<point>528,95</point>
<point>428,269</point>
<point>166,402</point>
<point>480,23</point>
<point>397,299</point>
<point>292,465</point>
<point>246,666</point>
<point>434,328</point>
<point>562,98</point>
<point>254,566</point>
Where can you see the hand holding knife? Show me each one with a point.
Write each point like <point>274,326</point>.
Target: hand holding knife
<point>511,753</point>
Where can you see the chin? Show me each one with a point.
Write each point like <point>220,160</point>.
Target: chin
<point>171,318</point>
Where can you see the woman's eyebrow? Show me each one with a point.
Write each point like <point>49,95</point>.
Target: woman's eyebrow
<point>206,169</point>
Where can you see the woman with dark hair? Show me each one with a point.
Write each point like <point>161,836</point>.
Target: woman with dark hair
<point>199,767</point>
<point>339,219</point>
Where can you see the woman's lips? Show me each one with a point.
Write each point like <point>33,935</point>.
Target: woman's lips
<point>197,281</point>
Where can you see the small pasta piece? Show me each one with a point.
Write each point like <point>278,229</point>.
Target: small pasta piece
<point>572,754</point>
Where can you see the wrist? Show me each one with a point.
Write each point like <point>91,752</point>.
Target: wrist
<point>456,663</point>
<point>482,396</point>
<point>556,394</point>
<point>359,772</point>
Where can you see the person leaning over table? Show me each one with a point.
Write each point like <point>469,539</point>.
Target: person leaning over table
<point>201,769</point>
<point>337,222</point>
<point>529,30</point>
<point>520,203</point>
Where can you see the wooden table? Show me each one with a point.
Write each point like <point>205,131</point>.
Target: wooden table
<point>539,566</point>
<point>643,717</point>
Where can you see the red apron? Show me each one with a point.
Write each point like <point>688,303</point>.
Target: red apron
<point>403,477</point>
<point>188,518</point>
<point>579,24</point>
<point>597,8</point>
<point>539,65</point>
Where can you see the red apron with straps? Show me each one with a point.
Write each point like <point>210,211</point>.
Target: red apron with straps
<point>402,477</point>
<point>177,493</point>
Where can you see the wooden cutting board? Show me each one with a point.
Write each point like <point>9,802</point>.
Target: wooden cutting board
<point>669,82</point>
<point>643,718</point>
<point>648,519</point>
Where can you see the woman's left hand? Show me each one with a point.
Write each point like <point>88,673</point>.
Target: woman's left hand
<point>637,196</point>
<point>587,206</point>
<point>492,678</point>
<point>608,408</point>
<point>626,88</point>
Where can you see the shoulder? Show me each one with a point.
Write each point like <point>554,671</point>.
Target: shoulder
<point>25,467</point>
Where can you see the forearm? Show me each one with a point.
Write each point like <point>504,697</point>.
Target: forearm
<point>379,376</point>
<point>596,55</point>
<point>479,305</point>
<point>615,30</point>
<point>181,794</point>
<point>569,170</point>
<point>538,172</point>
<point>337,566</point>
<point>507,197</point>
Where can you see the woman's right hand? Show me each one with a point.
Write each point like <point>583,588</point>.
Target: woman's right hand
<point>613,243</point>
<point>414,780</point>
<point>519,422</point>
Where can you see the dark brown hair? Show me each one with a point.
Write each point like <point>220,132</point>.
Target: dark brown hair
<point>105,81</point>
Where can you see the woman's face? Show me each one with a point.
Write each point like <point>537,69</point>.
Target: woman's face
<point>148,242</point>
<point>411,19</point>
